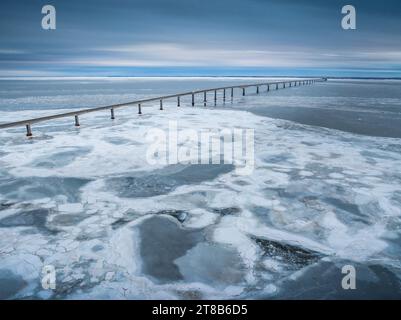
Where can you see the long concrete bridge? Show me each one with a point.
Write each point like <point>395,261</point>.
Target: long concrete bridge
<point>267,86</point>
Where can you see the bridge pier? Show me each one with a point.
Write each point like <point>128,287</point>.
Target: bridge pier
<point>139,109</point>
<point>232,93</point>
<point>224,94</point>
<point>193,99</point>
<point>112,114</point>
<point>268,88</point>
<point>215,96</point>
<point>161,104</point>
<point>178,101</point>
<point>204,98</point>
<point>77,121</point>
<point>257,89</point>
<point>243,91</point>
<point>28,130</point>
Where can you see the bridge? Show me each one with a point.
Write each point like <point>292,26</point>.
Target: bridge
<point>225,90</point>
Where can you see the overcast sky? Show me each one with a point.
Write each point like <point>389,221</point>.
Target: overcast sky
<point>200,37</point>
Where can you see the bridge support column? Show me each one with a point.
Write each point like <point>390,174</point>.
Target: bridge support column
<point>139,109</point>
<point>224,94</point>
<point>257,89</point>
<point>215,96</point>
<point>193,99</point>
<point>28,130</point>
<point>161,104</point>
<point>204,98</point>
<point>243,91</point>
<point>77,121</point>
<point>178,101</point>
<point>112,114</point>
<point>232,93</point>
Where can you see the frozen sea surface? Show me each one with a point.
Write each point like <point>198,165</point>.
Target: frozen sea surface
<point>87,201</point>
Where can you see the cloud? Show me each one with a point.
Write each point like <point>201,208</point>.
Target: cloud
<point>11,51</point>
<point>186,55</point>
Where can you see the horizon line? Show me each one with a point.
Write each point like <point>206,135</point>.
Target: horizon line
<point>201,76</point>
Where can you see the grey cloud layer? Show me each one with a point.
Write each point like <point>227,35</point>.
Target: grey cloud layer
<point>237,33</point>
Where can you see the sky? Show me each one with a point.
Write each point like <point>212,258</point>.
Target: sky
<point>200,38</point>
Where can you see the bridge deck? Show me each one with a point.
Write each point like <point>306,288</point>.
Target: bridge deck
<point>29,122</point>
